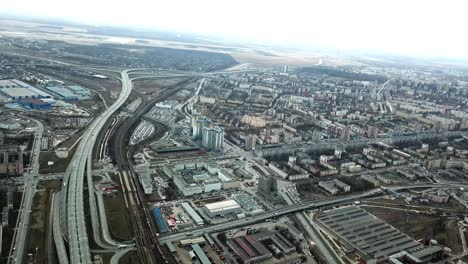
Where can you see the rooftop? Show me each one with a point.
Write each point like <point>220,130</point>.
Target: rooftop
<point>223,205</point>
<point>15,92</point>
<point>370,236</point>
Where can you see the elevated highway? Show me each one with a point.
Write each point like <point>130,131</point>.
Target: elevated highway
<point>72,202</point>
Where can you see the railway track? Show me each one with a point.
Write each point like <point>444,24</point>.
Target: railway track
<point>144,231</point>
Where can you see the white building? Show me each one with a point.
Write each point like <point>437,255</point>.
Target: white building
<point>198,123</point>
<point>213,138</point>
<point>145,178</point>
<point>222,208</point>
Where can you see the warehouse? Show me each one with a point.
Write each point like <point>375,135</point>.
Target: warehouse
<point>249,250</point>
<point>369,236</point>
<point>162,226</point>
<point>34,104</point>
<point>192,241</point>
<point>8,84</point>
<point>222,208</point>
<point>41,94</point>
<point>19,93</point>
<point>200,254</point>
<point>62,93</point>
<point>81,92</point>
<point>195,217</point>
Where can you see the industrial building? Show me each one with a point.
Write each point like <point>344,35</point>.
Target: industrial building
<point>69,93</point>
<point>293,231</point>
<point>16,90</point>
<point>426,255</point>
<point>19,93</point>
<point>145,178</point>
<point>276,241</point>
<point>249,250</point>
<point>200,254</point>
<point>194,215</point>
<point>369,236</point>
<point>161,224</point>
<point>191,241</point>
<point>247,202</point>
<point>197,176</point>
<point>222,208</point>
<point>81,92</point>
<point>62,93</point>
<point>34,104</point>
<point>5,84</point>
<point>41,93</point>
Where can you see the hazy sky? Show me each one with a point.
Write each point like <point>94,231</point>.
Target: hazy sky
<point>414,27</point>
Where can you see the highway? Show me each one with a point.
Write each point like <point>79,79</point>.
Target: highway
<point>73,183</point>
<point>57,234</point>
<point>17,250</point>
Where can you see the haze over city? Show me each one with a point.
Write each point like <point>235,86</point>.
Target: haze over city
<point>209,132</point>
<point>413,28</point>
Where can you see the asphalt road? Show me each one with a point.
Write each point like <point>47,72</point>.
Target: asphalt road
<point>17,251</point>
<point>285,210</point>
<point>73,186</point>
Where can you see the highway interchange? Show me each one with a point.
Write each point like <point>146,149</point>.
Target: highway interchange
<point>73,184</point>
<point>69,210</point>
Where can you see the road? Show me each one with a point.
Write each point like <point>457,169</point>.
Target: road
<point>285,210</point>
<point>313,232</point>
<point>183,107</point>
<point>74,179</point>
<point>17,250</point>
<point>148,246</point>
<point>57,234</point>
<point>115,259</point>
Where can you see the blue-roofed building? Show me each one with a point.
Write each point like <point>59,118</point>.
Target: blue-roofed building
<point>34,104</point>
<point>81,92</point>
<point>62,93</point>
<point>162,226</point>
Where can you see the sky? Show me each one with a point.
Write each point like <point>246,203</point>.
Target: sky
<point>407,27</point>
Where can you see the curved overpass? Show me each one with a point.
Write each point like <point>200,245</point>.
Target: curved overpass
<point>73,183</point>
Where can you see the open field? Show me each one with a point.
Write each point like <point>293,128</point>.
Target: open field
<point>117,216</point>
<point>39,225</point>
<point>420,226</point>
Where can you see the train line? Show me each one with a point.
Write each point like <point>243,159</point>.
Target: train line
<point>144,231</point>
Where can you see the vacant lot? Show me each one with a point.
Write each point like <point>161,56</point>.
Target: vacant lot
<point>117,216</point>
<point>420,226</point>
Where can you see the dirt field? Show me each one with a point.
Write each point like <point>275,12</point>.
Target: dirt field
<point>117,216</point>
<point>60,165</point>
<point>420,226</point>
<point>39,222</point>
<point>130,258</point>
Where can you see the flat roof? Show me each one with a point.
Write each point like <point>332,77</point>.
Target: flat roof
<point>34,101</point>
<point>200,254</point>
<point>223,205</point>
<point>8,83</point>
<point>15,92</point>
<point>188,208</point>
<point>370,236</point>
<point>61,91</point>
